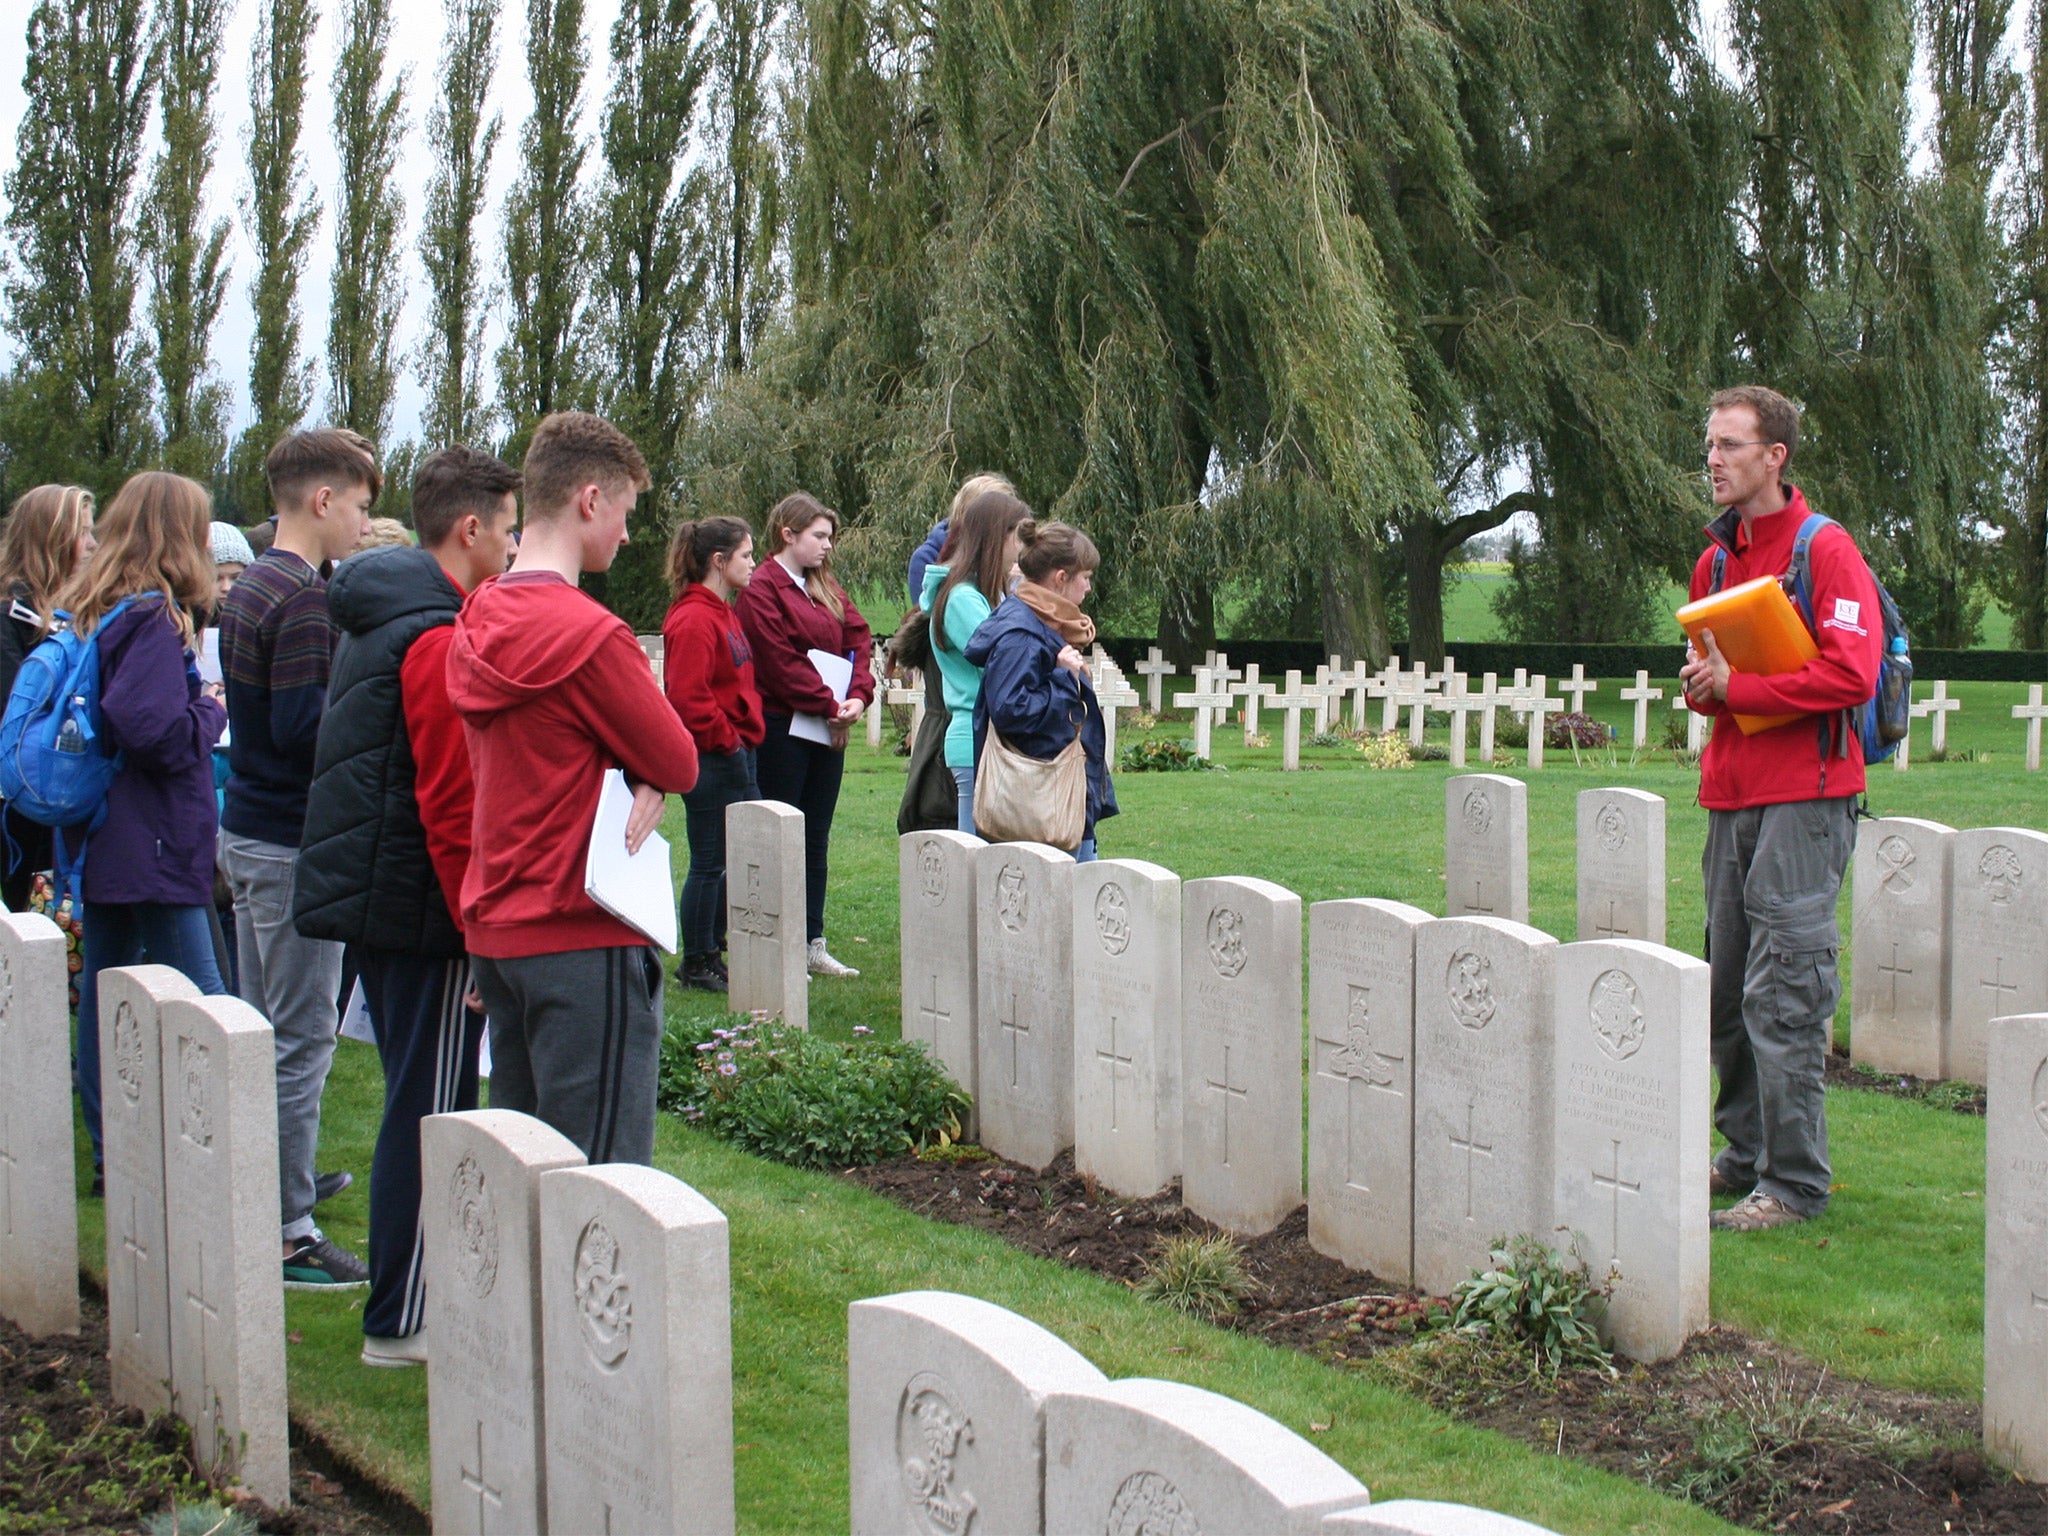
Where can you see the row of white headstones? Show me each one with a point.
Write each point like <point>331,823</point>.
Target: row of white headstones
<point>580,1375</point>
<point>1472,1079</point>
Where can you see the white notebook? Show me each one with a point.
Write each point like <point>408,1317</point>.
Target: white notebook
<point>636,888</point>
<point>836,672</point>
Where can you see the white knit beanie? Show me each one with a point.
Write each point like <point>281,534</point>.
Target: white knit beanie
<point>230,546</point>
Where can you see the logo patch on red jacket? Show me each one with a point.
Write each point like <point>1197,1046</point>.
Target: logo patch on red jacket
<point>1848,616</point>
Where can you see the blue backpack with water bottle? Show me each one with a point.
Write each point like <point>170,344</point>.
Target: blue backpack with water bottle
<point>55,768</point>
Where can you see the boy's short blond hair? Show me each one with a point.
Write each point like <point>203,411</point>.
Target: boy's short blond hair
<point>572,449</point>
<point>385,533</point>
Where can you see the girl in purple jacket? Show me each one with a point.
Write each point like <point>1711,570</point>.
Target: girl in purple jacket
<point>148,878</point>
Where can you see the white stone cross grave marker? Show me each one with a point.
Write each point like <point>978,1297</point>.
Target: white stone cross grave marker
<point>1695,725</point>
<point>878,669</point>
<point>1940,706</point>
<point>1211,702</point>
<point>1642,695</point>
<point>1220,668</point>
<point>764,842</point>
<point>1536,706</point>
<point>910,690</point>
<point>1251,691</point>
<point>1578,686</point>
<point>1387,686</point>
<point>38,1181</point>
<point>2033,712</point>
<point>1489,700</point>
<point>1441,678</point>
<point>1155,669</point>
<point>1421,689</point>
<point>1457,703</point>
<point>1113,694</point>
<point>1292,701</point>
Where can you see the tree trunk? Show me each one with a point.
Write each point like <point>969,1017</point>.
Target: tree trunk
<point>1354,611</point>
<point>1187,622</point>
<point>1422,556</point>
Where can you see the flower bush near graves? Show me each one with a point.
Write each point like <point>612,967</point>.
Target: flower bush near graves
<point>1385,749</point>
<point>1573,730</point>
<point>1536,1297</point>
<point>788,1095</point>
<point>1159,755</point>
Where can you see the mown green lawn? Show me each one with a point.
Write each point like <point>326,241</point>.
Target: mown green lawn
<point>1887,1285</point>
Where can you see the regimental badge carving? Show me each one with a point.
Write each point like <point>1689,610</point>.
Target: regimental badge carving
<point>2041,1096</point>
<point>1468,984</point>
<point>930,1430</point>
<point>128,1052</point>
<point>195,1079</point>
<point>1895,861</point>
<point>1610,827</point>
<point>604,1296</point>
<point>1148,1504</point>
<point>1227,951</point>
<point>752,914</point>
<point>1616,1010</point>
<point>931,869</point>
<point>1999,868</point>
<point>1356,1057</point>
<point>476,1228</point>
<point>1113,918</point>
<point>1013,898</point>
<point>1478,812</point>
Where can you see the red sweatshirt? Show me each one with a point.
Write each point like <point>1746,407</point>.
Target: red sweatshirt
<point>1785,763</point>
<point>783,626</point>
<point>442,787</point>
<point>708,672</point>
<point>553,690</point>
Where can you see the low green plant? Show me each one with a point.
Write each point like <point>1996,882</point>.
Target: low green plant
<point>1544,1300</point>
<point>1203,1276</point>
<point>1385,749</point>
<point>200,1520</point>
<point>786,1094</point>
<point>1159,754</point>
<point>1330,739</point>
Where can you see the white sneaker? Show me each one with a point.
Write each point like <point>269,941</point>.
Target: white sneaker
<point>396,1354</point>
<point>823,964</point>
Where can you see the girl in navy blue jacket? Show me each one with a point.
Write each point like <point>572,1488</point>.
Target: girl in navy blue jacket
<point>1034,684</point>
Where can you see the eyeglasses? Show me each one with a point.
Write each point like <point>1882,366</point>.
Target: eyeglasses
<point>1729,445</point>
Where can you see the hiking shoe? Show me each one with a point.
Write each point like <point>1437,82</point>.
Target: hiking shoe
<point>1718,1183</point>
<point>318,1265</point>
<point>395,1354</point>
<point>822,964</point>
<point>1757,1212</point>
<point>327,1185</point>
<point>717,963</point>
<point>700,975</point>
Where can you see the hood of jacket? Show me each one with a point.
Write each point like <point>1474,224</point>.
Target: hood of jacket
<point>1010,616</point>
<point>934,578</point>
<point>381,586</point>
<point>518,637</point>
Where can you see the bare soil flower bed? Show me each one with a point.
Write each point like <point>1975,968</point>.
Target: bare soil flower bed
<point>1764,1437</point>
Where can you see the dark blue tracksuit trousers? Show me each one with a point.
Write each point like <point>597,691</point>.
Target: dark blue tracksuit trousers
<point>428,1041</point>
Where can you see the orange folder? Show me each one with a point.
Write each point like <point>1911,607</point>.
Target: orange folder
<point>1760,633</point>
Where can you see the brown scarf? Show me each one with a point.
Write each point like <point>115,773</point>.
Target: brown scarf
<point>1074,626</point>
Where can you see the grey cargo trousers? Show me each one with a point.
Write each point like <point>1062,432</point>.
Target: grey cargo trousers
<point>1773,873</point>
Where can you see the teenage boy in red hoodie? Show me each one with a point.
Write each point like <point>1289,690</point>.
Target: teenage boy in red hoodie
<point>553,690</point>
<point>387,844</point>
<point>1781,821</point>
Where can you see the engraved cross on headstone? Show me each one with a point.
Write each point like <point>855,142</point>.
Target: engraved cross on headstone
<point>486,1495</point>
<point>1478,903</point>
<point>136,1254</point>
<point>1610,929</point>
<point>1997,985</point>
<point>1891,971</point>
<point>208,1312</point>
<point>1113,1061</point>
<point>1471,1146</point>
<point>1016,1028</point>
<point>1613,1181</point>
<point>935,1017</point>
<point>1229,1091</point>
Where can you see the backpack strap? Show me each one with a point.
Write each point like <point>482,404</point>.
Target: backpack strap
<point>1800,571</point>
<point>1720,572</point>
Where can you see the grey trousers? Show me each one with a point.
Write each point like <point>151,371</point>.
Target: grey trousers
<point>576,1041</point>
<point>1773,873</point>
<point>291,981</point>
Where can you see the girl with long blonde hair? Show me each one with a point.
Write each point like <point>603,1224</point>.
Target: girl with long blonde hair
<point>47,533</point>
<point>148,878</point>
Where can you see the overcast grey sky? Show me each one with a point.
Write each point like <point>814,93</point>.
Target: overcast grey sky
<point>415,46</point>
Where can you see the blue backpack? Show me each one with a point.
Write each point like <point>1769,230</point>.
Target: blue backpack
<point>1880,722</point>
<point>55,768</point>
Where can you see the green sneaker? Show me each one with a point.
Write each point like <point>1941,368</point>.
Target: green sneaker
<point>318,1265</point>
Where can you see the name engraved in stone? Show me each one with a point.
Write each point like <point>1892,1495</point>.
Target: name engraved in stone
<point>598,1433</point>
<point>1631,1101</point>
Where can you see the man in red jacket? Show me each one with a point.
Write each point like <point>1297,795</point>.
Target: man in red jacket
<point>553,691</point>
<point>1781,820</point>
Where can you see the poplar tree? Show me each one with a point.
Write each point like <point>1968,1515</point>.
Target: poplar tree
<point>746,179</point>
<point>279,217</point>
<point>540,365</point>
<point>2019,574</point>
<point>78,405</point>
<point>187,256</point>
<point>451,359</point>
<point>367,286</point>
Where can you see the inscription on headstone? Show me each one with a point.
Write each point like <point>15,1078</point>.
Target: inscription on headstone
<point>1899,944</point>
<point>1127,1024</point>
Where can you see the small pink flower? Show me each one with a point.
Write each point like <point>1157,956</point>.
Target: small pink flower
<point>726,1069</point>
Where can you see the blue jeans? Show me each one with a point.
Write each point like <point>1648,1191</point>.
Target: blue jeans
<point>806,775</point>
<point>723,779</point>
<point>129,933</point>
<point>1085,854</point>
<point>963,781</point>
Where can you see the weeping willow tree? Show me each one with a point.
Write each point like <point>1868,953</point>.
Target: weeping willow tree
<point>1250,292</point>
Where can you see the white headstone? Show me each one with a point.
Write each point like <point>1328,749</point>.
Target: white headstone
<point>764,894</point>
<point>636,1323</point>
<point>1998,906</point>
<point>1241,1052</point>
<point>1361,1095</point>
<point>1024,1017</point>
<point>1427,1517</point>
<point>38,1176</point>
<point>1127,1029</point>
<point>1621,865</point>
<point>945,1400</point>
<point>132,1127</point>
<point>480,1216</point>
<point>1632,1146</point>
<point>935,874</point>
<point>1899,945</point>
<point>2016,1245</point>
<point>220,1209</point>
<point>1486,846</point>
<point>1484,1016</point>
<point>1143,1456</point>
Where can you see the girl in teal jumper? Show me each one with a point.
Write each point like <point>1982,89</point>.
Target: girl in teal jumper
<point>961,589</point>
